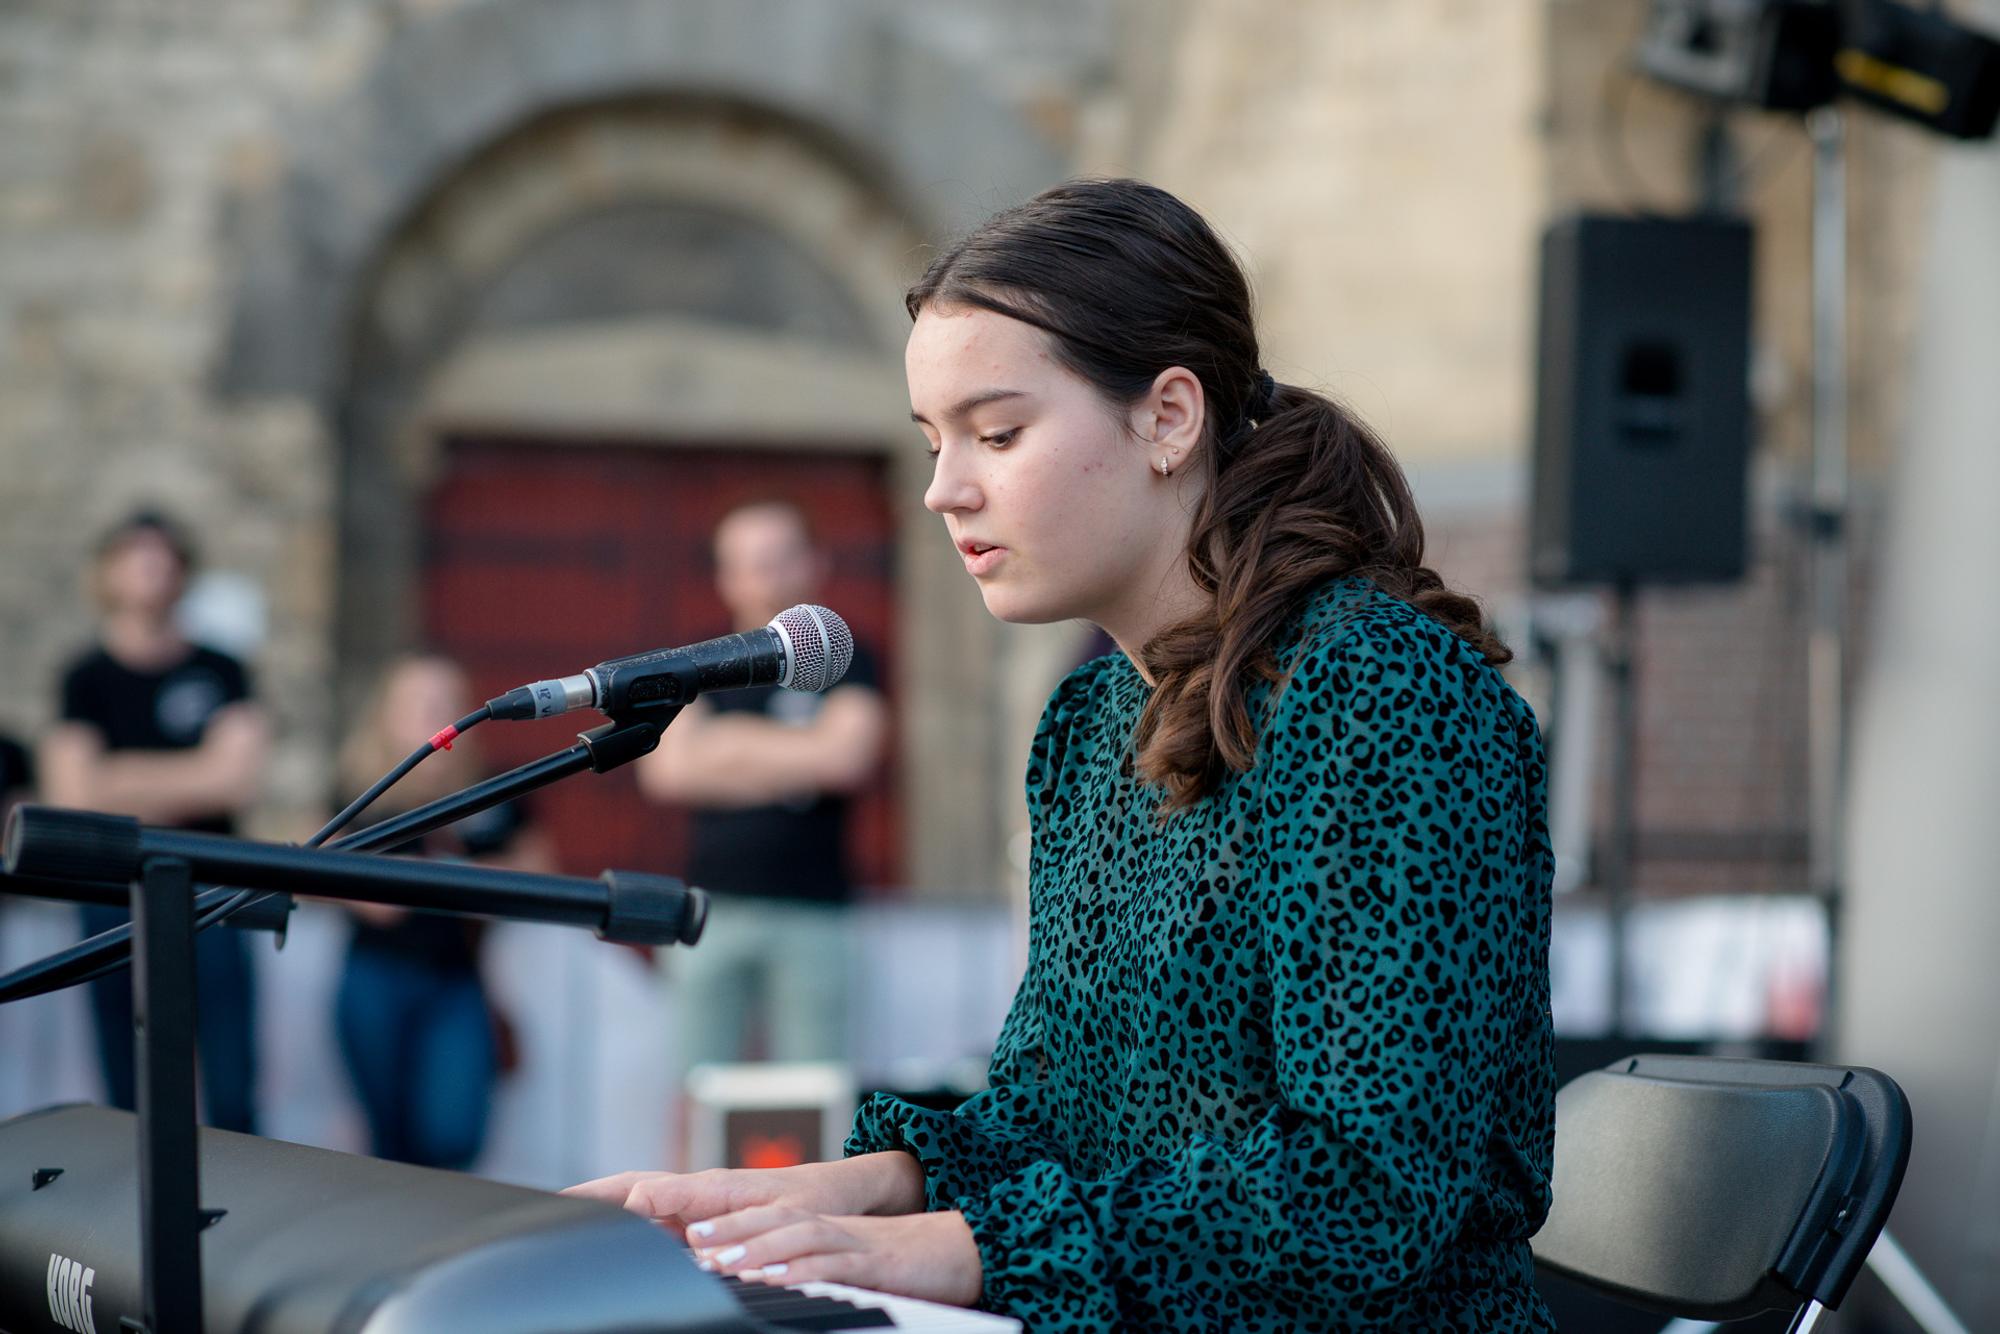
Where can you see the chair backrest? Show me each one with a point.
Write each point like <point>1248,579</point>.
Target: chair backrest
<point>1714,1188</point>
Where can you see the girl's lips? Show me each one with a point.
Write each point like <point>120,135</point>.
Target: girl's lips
<point>982,562</point>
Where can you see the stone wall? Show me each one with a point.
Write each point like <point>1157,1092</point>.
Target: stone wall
<point>193,196</point>
<point>196,201</point>
<point>1378,168</point>
<point>123,127</point>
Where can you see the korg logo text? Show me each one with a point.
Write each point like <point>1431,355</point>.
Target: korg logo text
<point>69,1294</point>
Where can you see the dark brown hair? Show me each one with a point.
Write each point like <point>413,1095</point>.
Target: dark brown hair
<point>1126,281</point>
<point>150,523</point>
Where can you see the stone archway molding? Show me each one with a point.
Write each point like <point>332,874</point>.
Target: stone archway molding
<point>915,124</point>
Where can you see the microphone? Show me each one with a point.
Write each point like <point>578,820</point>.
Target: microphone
<point>804,648</point>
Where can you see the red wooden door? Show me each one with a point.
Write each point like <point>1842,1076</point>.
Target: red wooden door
<point>542,559</point>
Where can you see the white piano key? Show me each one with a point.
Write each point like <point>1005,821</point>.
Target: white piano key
<point>910,1313</point>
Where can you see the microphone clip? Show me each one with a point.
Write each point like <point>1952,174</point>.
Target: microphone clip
<point>630,734</point>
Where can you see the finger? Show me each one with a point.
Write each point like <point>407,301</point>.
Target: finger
<point>803,1271</point>
<point>854,1268</point>
<point>684,1198</point>
<point>612,1189</point>
<point>720,1230</point>
<point>810,1236</point>
<point>687,1197</point>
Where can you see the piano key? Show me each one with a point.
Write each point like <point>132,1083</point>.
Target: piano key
<point>905,1313</point>
<point>914,1314</point>
<point>789,1309</point>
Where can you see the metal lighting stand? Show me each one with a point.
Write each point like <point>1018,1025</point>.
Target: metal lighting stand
<point>1621,665</point>
<point>160,866</point>
<point>1826,519</point>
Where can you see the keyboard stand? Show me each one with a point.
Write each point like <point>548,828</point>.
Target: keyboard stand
<point>170,1219</point>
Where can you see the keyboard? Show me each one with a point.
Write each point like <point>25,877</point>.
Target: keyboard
<point>836,1306</point>
<point>312,1241</point>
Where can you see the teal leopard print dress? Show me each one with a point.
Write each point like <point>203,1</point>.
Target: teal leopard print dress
<point>1283,1061</point>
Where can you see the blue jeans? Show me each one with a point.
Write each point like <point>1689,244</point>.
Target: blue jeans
<point>225,1024</point>
<point>419,1045</point>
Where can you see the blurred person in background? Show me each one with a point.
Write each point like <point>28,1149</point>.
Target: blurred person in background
<point>34,1042</point>
<point>17,784</point>
<point>769,773</point>
<point>17,775</point>
<point>418,1033</point>
<point>156,727</point>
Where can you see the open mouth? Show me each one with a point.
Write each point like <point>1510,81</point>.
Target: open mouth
<point>980,557</point>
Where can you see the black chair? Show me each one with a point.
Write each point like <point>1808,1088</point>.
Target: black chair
<point>1713,1188</point>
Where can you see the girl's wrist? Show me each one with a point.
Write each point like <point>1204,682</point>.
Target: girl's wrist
<point>894,1182</point>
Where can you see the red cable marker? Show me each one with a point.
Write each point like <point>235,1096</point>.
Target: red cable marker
<point>442,741</point>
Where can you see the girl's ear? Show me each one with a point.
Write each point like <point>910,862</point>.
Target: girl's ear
<point>1170,417</point>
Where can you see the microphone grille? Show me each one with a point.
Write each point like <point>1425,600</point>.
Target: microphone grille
<point>822,647</point>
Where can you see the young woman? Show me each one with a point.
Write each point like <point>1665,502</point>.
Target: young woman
<point>420,1037</point>
<point>1281,1058</point>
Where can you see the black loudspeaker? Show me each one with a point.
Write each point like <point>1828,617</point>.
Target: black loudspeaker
<point>1642,431</point>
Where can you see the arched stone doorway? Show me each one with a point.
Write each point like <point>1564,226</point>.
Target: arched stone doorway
<point>619,222</point>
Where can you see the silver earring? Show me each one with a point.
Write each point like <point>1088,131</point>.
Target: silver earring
<point>1163,465</point>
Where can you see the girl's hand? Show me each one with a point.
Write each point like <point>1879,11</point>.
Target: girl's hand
<point>932,1256</point>
<point>874,1183</point>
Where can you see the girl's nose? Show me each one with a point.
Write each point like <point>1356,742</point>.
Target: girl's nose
<point>952,488</point>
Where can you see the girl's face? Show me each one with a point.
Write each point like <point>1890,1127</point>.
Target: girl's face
<point>1051,496</point>
<point>423,694</point>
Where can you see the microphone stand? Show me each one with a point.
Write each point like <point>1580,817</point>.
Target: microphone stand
<point>624,739</point>
<point>268,912</point>
<point>90,850</point>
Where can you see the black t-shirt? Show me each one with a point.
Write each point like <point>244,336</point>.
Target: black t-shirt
<point>17,775</point>
<point>437,940</point>
<point>166,709</point>
<point>17,772</point>
<point>795,850</point>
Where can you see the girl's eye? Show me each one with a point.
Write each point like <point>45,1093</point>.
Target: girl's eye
<point>998,439</point>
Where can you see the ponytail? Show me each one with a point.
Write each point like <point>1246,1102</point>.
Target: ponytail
<point>1306,495</point>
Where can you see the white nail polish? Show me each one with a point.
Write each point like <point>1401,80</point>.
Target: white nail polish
<point>701,1229</point>
<point>732,1255</point>
<point>706,1266</point>
<point>773,1271</point>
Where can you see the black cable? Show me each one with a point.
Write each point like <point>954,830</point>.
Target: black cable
<point>108,951</point>
<point>82,962</point>
<point>386,781</point>
<point>1780,146</point>
<point>1614,154</point>
<point>245,898</point>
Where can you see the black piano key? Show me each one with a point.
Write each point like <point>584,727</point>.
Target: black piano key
<point>788,1309</point>
<point>848,1317</point>
<point>778,1308</point>
<point>833,1317</point>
